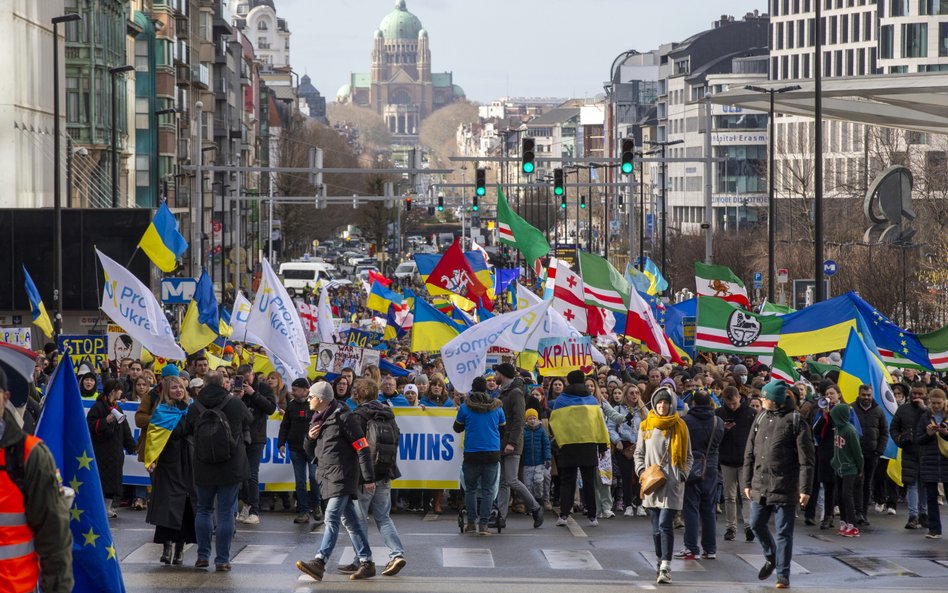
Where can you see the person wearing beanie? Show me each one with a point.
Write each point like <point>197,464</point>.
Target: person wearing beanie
<point>537,458</point>
<point>482,420</point>
<point>579,429</point>
<point>846,462</point>
<point>87,382</point>
<point>778,476</point>
<point>292,433</point>
<point>111,439</point>
<point>664,440</point>
<point>511,446</point>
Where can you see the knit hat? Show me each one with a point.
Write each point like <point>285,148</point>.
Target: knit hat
<point>170,370</point>
<point>506,369</point>
<point>612,379</point>
<point>301,383</point>
<point>739,369</point>
<point>420,379</point>
<point>410,389</point>
<point>530,413</point>
<point>321,390</point>
<point>575,378</point>
<point>835,359</point>
<point>775,391</point>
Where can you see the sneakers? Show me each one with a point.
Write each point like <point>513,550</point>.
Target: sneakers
<point>139,504</point>
<point>593,522</point>
<point>629,512</point>
<point>301,518</point>
<point>842,528</point>
<point>606,514</point>
<point>547,506</point>
<point>366,570</point>
<point>890,510</point>
<point>483,530</point>
<point>537,517</point>
<point>880,508</point>
<point>709,555</point>
<point>252,520</point>
<point>314,568</point>
<point>664,576</point>
<point>729,534</point>
<point>640,512</point>
<point>912,523</point>
<point>933,535</point>
<point>470,528</point>
<point>561,521</point>
<point>851,531</point>
<point>350,568</point>
<point>767,569</point>
<point>923,520</point>
<point>685,554</point>
<point>394,566</point>
<point>783,582</point>
<point>748,534</point>
<point>243,514</point>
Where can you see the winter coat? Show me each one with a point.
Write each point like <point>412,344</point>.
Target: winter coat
<point>624,430</point>
<point>847,450</point>
<point>576,454</point>
<point>514,408</point>
<point>903,432</point>
<point>261,404</point>
<point>734,442</point>
<point>705,428</point>
<point>172,482</point>
<point>649,450</point>
<point>236,469</point>
<point>875,429</point>
<point>340,467</point>
<point>536,445</point>
<point>381,413</point>
<point>779,458</point>
<point>110,441</point>
<point>934,465</point>
<point>295,424</point>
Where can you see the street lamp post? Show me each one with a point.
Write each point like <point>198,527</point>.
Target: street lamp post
<point>57,193</point>
<point>820,292</point>
<point>662,147</point>
<point>113,72</point>
<point>772,196</point>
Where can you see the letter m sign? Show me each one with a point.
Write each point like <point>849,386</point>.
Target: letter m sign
<point>177,291</point>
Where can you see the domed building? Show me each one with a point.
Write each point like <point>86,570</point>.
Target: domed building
<point>401,87</point>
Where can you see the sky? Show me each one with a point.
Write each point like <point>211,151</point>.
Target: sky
<point>497,48</point>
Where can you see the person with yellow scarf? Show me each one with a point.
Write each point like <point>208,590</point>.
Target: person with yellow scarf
<point>663,440</point>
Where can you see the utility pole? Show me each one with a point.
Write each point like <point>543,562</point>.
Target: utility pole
<point>820,292</point>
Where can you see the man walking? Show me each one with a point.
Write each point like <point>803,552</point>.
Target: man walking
<point>778,472</point>
<point>738,419</point>
<point>511,394</point>
<point>705,430</point>
<point>481,419</point>
<point>875,437</point>
<point>260,401</point>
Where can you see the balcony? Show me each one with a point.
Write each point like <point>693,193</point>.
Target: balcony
<point>182,27</point>
<point>201,75</point>
<point>183,77</point>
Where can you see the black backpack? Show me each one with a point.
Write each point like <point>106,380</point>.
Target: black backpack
<point>382,435</point>
<point>214,441</point>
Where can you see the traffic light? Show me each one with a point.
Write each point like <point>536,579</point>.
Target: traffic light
<point>480,183</point>
<point>474,205</point>
<point>582,201</point>
<point>440,203</point>
<point>528,155</point>
<point>407,203</point>
<point>628,153</point>
<point>559,188</point>
<point>563,202</point>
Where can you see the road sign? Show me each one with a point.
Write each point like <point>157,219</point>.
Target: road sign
<point>177,291</point>
<point>830,267</point>
<point>800,288</point>
<point>758,279</point>
<point>783,275</point>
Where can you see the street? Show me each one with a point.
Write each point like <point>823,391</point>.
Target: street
<point>613,557</point>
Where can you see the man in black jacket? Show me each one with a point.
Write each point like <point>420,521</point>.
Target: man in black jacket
<point>738,419</point>
<point>511,445</point>
<point>218,483</point>
<point>904,422</point>
<point>260,401</point>
<point>336,442</point>
<point>293,430</point>
<point>778,474</point>
<point>875,437</point>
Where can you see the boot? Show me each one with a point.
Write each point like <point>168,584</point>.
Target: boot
<point>165,553</point>
<point>178,553</point>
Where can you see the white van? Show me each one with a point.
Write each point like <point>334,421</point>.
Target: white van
<point>300,277</point>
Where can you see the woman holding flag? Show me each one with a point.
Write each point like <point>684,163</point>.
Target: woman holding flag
<point>168,460</point>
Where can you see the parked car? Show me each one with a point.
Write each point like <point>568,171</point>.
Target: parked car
<point>406,270</point>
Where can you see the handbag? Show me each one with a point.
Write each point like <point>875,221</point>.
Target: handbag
<point>653,477</point>
<point>699,467</point>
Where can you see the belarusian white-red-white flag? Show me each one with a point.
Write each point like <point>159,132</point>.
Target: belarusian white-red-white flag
<point>641,325</point>
<point>568,297</point>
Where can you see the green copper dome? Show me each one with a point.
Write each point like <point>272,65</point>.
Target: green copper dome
<point>400,24</point>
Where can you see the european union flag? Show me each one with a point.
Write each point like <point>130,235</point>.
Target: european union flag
<point>95,564</point>
<point>890,337</point>
<point>505,278</point>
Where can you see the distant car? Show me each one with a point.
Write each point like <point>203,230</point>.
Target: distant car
<point>406,270</point>
<point>362,272</point>
<point>301,277</point>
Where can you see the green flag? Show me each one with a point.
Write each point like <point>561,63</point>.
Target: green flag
<point>518,233</point>
<point>603,285</point>
<point>725,327</point>
<point>783,368</point>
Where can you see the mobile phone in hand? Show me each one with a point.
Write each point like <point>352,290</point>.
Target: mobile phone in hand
<point>238,383</point>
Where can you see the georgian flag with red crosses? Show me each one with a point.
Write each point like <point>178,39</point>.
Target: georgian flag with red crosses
<point>568,297</point>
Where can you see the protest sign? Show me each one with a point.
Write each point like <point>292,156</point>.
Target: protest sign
<point>121,345</point>
<point>362,338</point>
<point>559,356</point>
<point>90,349</point>
<point>332,358</point>
<point>18,336</point>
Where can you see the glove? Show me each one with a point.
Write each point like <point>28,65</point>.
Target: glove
<point>547,464</point>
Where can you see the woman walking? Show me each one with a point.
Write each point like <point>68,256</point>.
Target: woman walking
<point>111,438</point>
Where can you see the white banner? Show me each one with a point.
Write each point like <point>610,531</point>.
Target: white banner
<point>275,320</point>
<point>324,319</point>
<point>121,345</point>
<point>429,454</point>
<point>238,321</point>
<point>132,305</point>
<point>18,336</point>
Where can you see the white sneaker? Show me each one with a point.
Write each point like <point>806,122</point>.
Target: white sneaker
<point>561,521</point>
<point>243,514</point>
<point>629,512</point>
<point>640,512</point>
<point>880,508</point>
<point>890,511</point>
<point>252,520</point>
<point>594,522</point>
<point>606,514</point>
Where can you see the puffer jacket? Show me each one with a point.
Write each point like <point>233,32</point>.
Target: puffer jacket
<point>934,465</point>
<point>536,445</point>
<point>295,424</point>
<point>340,466</point>
<point>779,458</point>
<point>734,442</point>
<point>903,432</point>
<point>875,429</point>
<point>624,430</point>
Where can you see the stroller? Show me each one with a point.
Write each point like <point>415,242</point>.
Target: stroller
<point>493,522</point>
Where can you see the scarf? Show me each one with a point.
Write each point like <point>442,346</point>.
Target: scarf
<point>320,417</point>
<point>163,421</point>
<point>675,432</point>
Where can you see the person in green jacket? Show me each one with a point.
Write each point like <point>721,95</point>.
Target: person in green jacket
<point>846,462</point>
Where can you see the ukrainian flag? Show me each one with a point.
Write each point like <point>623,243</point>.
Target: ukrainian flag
<point>862,367</point>
<point>821,327</point>
<point>202,321</point>
<point>40,316</point>
<point>163,422</point>
<point>657,282</point>
<point>381,298</point>
<point>162,242</point>
<point>431,329</point>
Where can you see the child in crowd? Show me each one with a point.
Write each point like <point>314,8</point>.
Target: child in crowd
<point>536,458</point>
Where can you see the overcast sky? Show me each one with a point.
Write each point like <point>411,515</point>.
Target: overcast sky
<point>568,45</point>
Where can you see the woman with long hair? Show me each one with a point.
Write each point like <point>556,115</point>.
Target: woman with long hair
<point>111,438</point>
<point>437,396</point>
<point>624,435</point>
<point>280,392</point>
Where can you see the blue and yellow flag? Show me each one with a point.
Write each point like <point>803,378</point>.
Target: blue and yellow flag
<point>637,279</point>
<point>37,308</point>
<point>381,298</point>
<point>95,561</point>
<point>163,422</point>
<point>202,321</point>
<point>657,282</point>
<point>431,328</point>
<point>821,327</point>
<point>162,242</point>
<point>862,367</point>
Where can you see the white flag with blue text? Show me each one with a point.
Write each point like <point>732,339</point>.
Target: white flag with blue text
<point>276,322</point>
<point>324,325</point>
<point>239,319</point>
<point>132,305</point>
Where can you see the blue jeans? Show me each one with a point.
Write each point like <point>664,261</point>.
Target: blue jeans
<point>663,532</point>
<point>252,485</point>
<point>226,499</point>
<point>302,468</point>
<point>337,508</point>
<point>379,503</point>
<point>916,504</point>
<point>782,551</point>
<point>698,511</point>
<point>480,488</point>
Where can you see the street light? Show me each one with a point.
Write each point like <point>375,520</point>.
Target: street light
<point>772,196</point>
<point>57,194</point>
<point>113,72</point>
<point>662,146</point>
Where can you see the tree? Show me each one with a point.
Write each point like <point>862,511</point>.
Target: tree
<point>373,134</point>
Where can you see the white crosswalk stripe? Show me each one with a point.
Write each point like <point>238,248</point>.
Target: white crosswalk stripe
<point>262,554</point>
<point>757,560</point>
<point>379,554</point>
<point>467,558</point>
<point>572,560</point>
<point>147,554</point>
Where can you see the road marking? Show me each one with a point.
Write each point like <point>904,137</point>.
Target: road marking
<point>757,560</point>
<point>676,565</point>
<point>147,553</point>
<point>348,554</point>
<point>574,528</point>
<point>874,566</point>
<point>572,560</point>
<point>262,554</point>
<point>467,558</point>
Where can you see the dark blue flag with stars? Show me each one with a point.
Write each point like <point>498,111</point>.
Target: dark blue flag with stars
<point>896,346</point>
<point>95,564</point>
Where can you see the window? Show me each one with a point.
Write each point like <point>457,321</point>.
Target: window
<point>915,40</point>
<point>926,7</point>
<point>885,42</point>
<point>72,99</point>
<point>900,7</point>
<point>262,26</point>
<point>141,55</point>
<point>142,113</point>
<point>142,170</point>
<point>942,40</point>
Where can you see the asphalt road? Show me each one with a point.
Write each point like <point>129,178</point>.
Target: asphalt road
<point>614,557</point>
